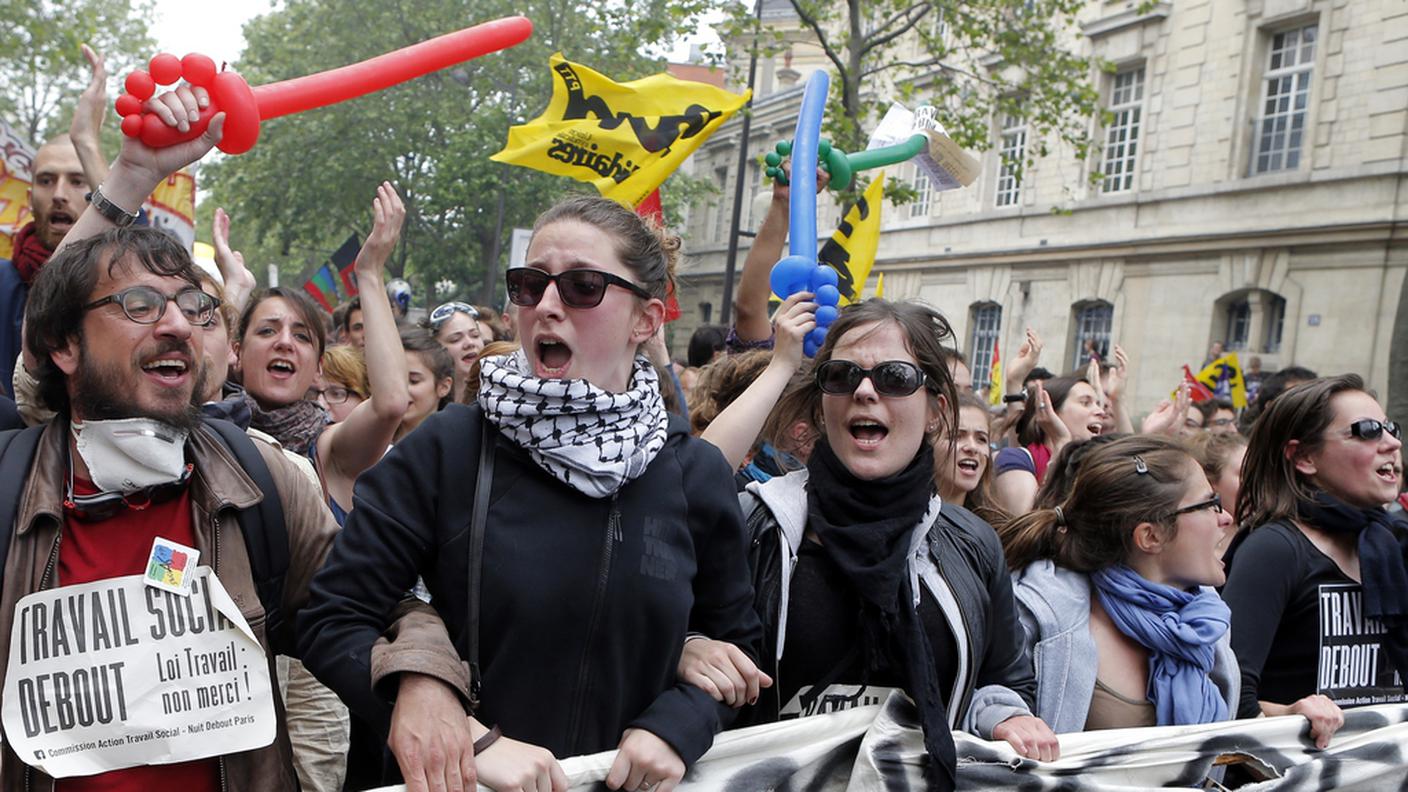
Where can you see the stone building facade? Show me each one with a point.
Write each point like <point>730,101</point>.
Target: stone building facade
<point>1254,195</point>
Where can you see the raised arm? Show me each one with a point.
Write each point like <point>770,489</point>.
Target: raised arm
<point>139,168</point>
<point>735,429</point>
<point>360,441</point>
<point>239,282</point>
<point>750,302</point>
<point>86,129</point>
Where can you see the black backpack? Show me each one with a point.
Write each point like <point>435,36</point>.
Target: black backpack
<point>265,535</point>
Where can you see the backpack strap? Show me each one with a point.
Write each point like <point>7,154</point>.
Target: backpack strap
<point>265,534</point>
<point>488,438</point>
<point>17,448</point>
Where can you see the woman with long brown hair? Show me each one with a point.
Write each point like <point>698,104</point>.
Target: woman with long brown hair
<point>963,461</point>
<point>1115,588</point>
<point>1316,578</point>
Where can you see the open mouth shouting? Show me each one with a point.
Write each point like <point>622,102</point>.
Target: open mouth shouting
<point>1388,473</point>
<point>62,220</point>
<point>969,466</point>
<point>868,433</point>
<point>282,369</point>
<point>169,369</point>
<point>1094,427</point>
<point>553,357</point>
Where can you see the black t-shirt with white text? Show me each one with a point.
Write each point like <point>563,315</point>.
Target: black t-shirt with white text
<point>1298,626</point>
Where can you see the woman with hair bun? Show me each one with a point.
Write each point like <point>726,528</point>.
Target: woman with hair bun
<point>599,530</point>
<point>1115,590</point>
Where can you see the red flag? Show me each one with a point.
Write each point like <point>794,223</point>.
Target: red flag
<point>650,209</point>
<point>1197,390</point>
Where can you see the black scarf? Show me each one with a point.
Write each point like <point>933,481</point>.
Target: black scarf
<point>1383,565</point>
<point>232,407</point>
<point>866,528</point>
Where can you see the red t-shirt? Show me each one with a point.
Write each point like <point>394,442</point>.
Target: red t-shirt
<point>117,546</point>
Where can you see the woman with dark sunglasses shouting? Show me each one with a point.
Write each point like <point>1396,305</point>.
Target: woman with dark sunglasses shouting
<point>862,581</point>
<point>1316,577</point>
<point>1115,586</point>
<point>586,520</point>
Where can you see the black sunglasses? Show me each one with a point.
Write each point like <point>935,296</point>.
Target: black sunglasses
<point>891,378</point>
<point>146,305</point>
<point>1214,503</point>
<point>1370,429</point>
<point>577,288</point>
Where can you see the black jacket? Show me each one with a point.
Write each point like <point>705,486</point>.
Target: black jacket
<point>582,621</point>
<point>966,553</point>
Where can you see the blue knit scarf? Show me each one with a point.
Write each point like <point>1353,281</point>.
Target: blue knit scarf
<point>1180,630</point>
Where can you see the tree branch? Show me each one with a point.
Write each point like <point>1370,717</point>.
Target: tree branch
<point>925,64</point>
<point>826,48</point>
<point>880,41</point>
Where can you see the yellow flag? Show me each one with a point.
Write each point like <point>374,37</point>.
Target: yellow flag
<point>16,160</point>
<point>995,384</point>
<point>624,138</point>
<point>172,206</point>
<point>880,285</point>
<point>1224,377</point>
<point>851,250</point>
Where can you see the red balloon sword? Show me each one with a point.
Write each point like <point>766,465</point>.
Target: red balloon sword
<point>246,107</point>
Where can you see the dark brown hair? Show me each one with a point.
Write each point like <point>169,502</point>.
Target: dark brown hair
<point>419,341</point>
<point>980,501</point>
<point>1110,497</point>
<point>1271,486</point>
<point>646,249</point>
<point>1061,473</point>
<point>302,304</point>
<point>1058,388</point>
<point>924,330</point>
<point>54,312</point>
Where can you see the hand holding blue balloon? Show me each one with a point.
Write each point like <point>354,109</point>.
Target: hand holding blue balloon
<point>799,270</point>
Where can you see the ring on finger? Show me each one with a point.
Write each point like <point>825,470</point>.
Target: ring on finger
<point>645,786</point>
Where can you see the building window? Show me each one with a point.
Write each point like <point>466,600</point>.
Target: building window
<point>1280,129</point>
<point>1275,322</point>
<point>1013,151</point>
<point>1092,321</point>
<point>925,193</point>
<point>1122,138</point>
<point>721,209</point>
<point>706,312</point>
<point>1239,325</point>
<point>987,323</point>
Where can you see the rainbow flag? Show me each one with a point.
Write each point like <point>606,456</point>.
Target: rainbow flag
<point>322,287</point>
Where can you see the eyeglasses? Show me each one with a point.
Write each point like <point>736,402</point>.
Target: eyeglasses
<point>892,378</point>
<point>146,305</point>
<point>577,288</point>
<point>443,313</point>
<point>1214,503</point>
<point>1370,429</point>
<point>332,394</point>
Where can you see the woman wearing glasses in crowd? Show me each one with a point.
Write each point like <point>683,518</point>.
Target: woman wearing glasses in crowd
<point>1115,586</point>
<point>861,581</point>
<point>343,384</point>
<point>280,345</point>
<point>457,327</point>
<point>1316,578</point>
<point>604,540</point>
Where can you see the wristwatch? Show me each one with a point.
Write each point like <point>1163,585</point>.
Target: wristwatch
<point>1013,398</point>
<point>116,214</point>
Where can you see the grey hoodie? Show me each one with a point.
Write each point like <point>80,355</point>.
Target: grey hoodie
<point>1054,604</point>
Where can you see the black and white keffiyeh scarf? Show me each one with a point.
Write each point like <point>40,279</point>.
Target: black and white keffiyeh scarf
<point>588,438</point>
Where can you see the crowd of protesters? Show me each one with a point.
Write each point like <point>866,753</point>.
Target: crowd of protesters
<point>518,537</point>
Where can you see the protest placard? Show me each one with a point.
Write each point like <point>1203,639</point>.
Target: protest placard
<point>116,674</point>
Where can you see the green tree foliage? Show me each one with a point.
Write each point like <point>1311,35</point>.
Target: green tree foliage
<point>974,60</point>
<point>310,180</point>
<point>42,69</point>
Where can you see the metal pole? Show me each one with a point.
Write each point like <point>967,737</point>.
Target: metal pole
<point>726,313</point>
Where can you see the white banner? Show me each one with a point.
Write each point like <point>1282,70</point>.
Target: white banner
<point>879,749</point>
<point>115,674</point>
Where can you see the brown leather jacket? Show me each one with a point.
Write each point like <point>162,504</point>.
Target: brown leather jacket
<point>219,487</point>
